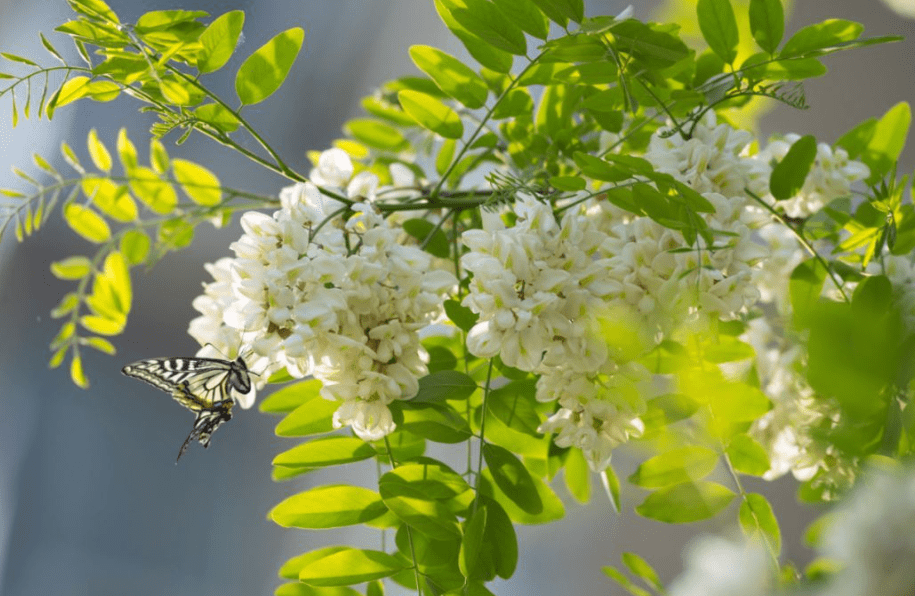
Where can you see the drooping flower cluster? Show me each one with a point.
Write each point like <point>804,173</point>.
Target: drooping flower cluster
<point>720,567</point>
<point>341,301</point>
<point>539,288</point>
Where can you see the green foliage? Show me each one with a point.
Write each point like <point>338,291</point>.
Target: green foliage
<point>533,115</point>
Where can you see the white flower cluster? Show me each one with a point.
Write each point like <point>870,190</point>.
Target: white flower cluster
<point>717,566</point>
<point>830,177</point>
<point>871,537</point>
<point>340,301</point>
<point>539,288</point>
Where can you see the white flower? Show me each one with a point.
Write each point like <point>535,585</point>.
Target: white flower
<point>334,169</point>
<point>307,301</point>
<point>872,536</point>
<point>830,177</point>
<point>717,566</point>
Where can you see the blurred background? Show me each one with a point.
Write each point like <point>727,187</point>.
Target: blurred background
<point>91,501</point>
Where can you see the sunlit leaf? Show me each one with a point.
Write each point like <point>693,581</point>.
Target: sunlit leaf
<point>328,507</point>
<point>87,223</point>
<point>218,41</point>
<point>264,71</point>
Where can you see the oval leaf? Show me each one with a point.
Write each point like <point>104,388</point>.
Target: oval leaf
<point>719,27</point>
<point>685,503</point>
<point>758,520</point>
<point>431,114</point>
<point>329,507</point>
<point>328,451</point>
<point>197,182</point>
<point>266,69</point>
<point>87,223</point>
<point>674,467</point>
<point>218,41</point>
<point>351,566</point>
<point>789,174</point>
<point>451,75</point>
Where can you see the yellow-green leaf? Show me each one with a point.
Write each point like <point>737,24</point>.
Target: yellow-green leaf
<point>71,268</point>
<point>112,199</point>
<point>329,507</point>
<point>101,325</point>
<point>158,156</point>
<point>218,41</point>
<point>98,152</point>
<point>77,374</point>
<point>135,246</point>
<point>72,90</point>
<point>156,193</point>
<point>126,151</point>
<point>99,343</point>
<point>117,274</point>
<point>451,75</point>
<point>266,69</point>
<point>197,182</point>
<point>87,223</point>
<point>431,114</point>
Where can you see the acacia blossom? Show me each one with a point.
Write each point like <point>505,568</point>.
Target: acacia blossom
<point>299,299</point>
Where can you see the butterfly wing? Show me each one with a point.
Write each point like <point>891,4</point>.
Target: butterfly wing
<point>201,385</point>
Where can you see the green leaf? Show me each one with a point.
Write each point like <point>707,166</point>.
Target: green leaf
<point>805,287</point>
<point>526,15</point>
<point>156,193</point>
<point>50,48</point>
<point>767,23</point>
<point>482,52</point>
<point>437,422</point>
<point>158,156</point>
<point>72,90</point>
<point>451,75</point>
<point>94,10</point>
<point>197,182</point>
<point>97,151</point>
<point>500,543</point>
<point>375,134</point>
<point>512,477</point>
<point>127,152</point>
<point>430,237</point>
<point>626,583</point>
<point>87,223</point>
<point>116,276</point>
<point>675,467</point>
<point>328,507</point>
<point>747,456</point>
<point>727,349</point>
<point>99,343</point>
<point>218,41</point>
<point>72,268</point>
<point>77,374</point>
<point>290,569</point>
<point>102,90</point>
<point>483,19</point>
<point>266,69</point>
<point>351,566</point>
<point>469,559</point>
<point>818,37</point>
<point>757,518</point>
<point>135,246</point>
<point>67,305</point>
<point>290,397</point>
<point>611,484</point>
<point>513,405</point>
<point>217,116</point>
<point>327,451</point>
<point>175,233</point>
<point>102,325</point>
<point>431,114</point>
<point>598,169</point>
<point>112,199</point>
<point>301,589</point>
<point>641,569</point>
<point>444,385</point>
<point>516,102</point>
<point>460,315</point>
<point>685,503</point>
<point>719,27</point>
<point>568,183</point>
<point>552,506</point>
<point>789,174</point>
<point>659,49</point>
<point>416,504</point>
<point>885,146</point>
<point>578,475</point>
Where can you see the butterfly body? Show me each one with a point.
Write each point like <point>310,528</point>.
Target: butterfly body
<point>205,386</point>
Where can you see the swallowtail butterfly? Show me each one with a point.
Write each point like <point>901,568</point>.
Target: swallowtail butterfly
<point>202,385</point>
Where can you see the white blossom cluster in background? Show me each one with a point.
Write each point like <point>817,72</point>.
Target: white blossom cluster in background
<point>343,303</point>
<point>869,540</point>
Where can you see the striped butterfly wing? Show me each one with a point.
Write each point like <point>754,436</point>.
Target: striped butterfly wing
<point>202,385</point>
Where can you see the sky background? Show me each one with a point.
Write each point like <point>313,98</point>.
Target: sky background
<point>91,502</point>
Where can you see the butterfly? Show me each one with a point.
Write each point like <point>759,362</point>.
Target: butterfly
<point>206,386</point>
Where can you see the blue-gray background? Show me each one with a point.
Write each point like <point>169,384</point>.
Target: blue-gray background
<point>91,502</point>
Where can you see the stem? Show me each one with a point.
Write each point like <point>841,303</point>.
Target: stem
<point>803,240</point>
<point>770,548</point>
<point>387,445</point>
<point>482,435</point>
